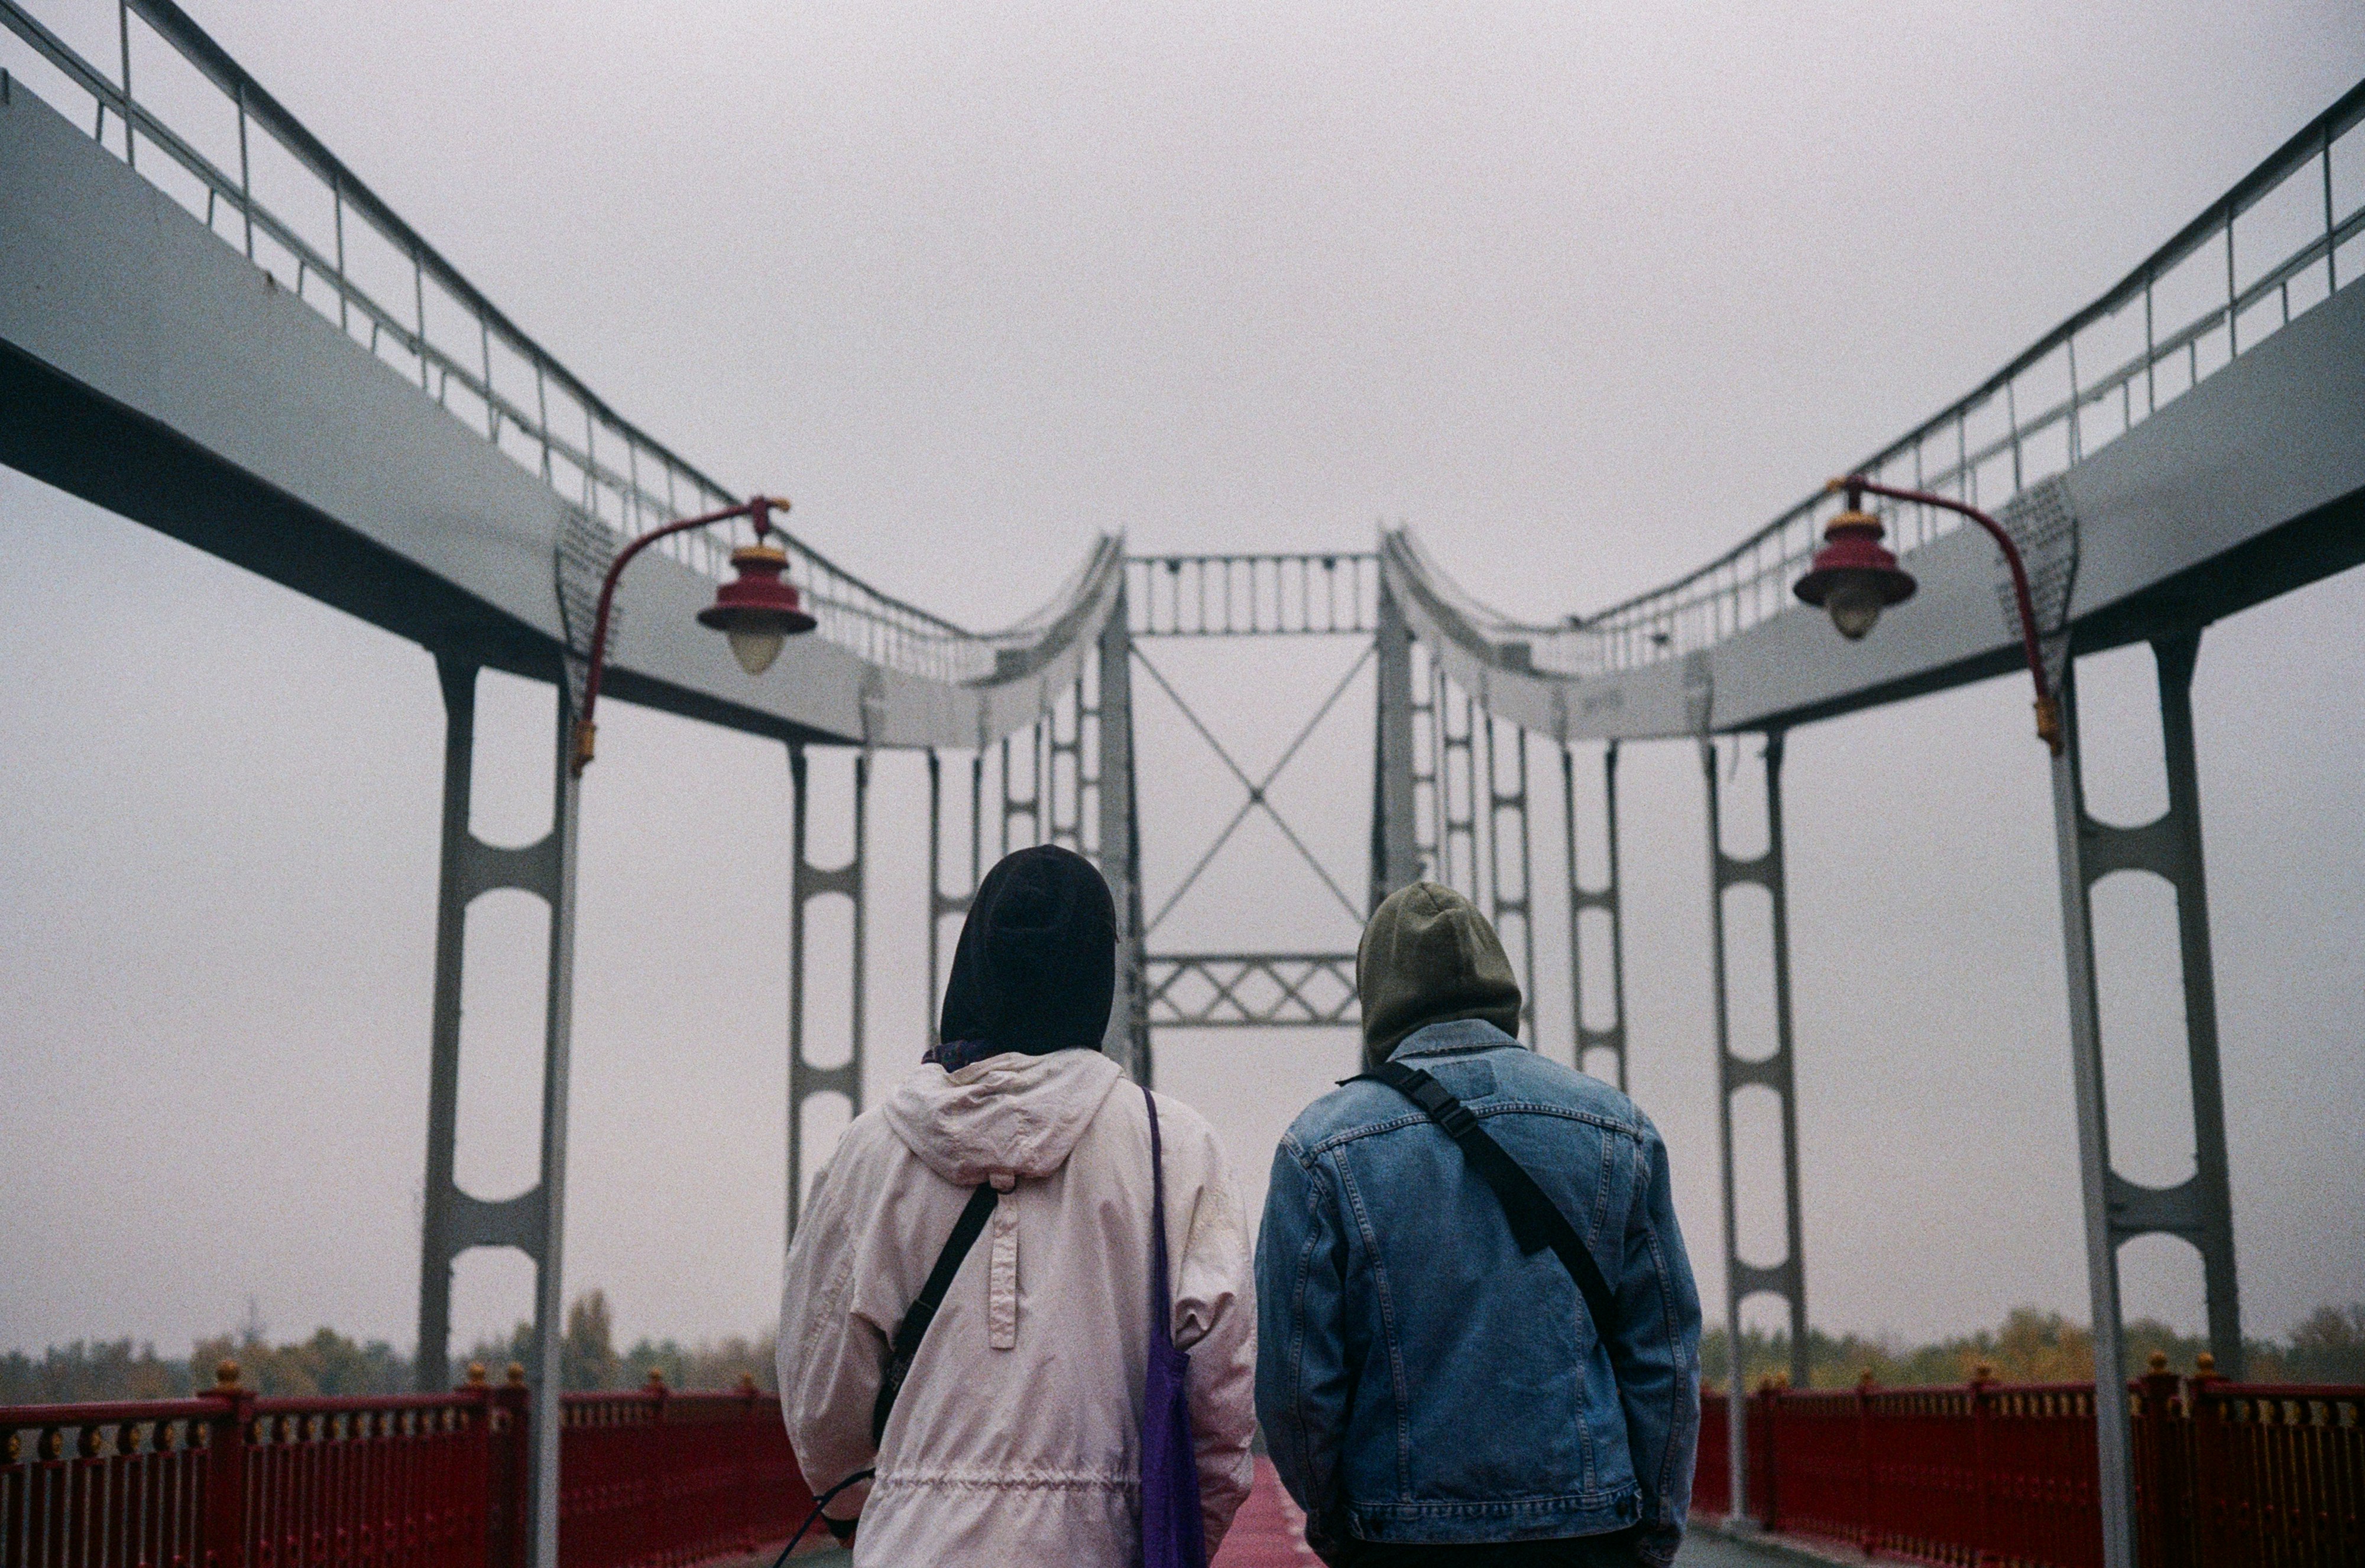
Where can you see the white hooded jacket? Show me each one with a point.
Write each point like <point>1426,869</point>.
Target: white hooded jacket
<point>1016,1437</point>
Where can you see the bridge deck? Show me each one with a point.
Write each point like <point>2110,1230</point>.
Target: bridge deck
<point>1270,1533</point>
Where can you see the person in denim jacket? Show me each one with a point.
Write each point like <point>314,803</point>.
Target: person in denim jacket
<point>1429,1394</point>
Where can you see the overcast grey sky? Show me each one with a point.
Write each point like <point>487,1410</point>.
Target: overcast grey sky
<point>1582,293</point>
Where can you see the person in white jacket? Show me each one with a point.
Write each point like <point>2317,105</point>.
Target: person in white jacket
<point>1015,1438</point>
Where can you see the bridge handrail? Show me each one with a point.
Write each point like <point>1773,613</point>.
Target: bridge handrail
<point>646,484</point>
<point>1985,1470</point>
<point>231,1478</point>
<point>1981,450</point>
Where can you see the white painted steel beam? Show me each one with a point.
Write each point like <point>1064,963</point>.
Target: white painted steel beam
<point>2249,483</point>
<point>261,432</point>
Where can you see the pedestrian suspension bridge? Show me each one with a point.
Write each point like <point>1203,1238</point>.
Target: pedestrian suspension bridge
<point>211,325</point>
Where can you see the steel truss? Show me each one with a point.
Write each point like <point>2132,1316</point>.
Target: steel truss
<point>1215,990</point>
<point>1338,594</point>
<point>1308,594</point>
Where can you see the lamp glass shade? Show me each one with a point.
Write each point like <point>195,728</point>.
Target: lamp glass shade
<point>1855,603</point>
<point>755,647</point>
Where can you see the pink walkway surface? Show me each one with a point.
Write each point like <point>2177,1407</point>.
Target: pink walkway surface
<point>1269,1531</point>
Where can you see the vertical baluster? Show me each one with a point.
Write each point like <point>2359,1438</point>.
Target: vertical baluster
<point>130,140</point>
<point>485,358</point>
<point>2331,230</point>
<point>2011,416</point>
<point>246,185</point>
<point>2151,354</point>
<point>2233,296</point>
<point>418,302</point>
<point>1963,455</point>
<point>2071,349</point>
<point>542,416</point>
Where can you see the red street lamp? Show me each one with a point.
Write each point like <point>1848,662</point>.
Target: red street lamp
<point>1854,578</point>
<point>756,611</point>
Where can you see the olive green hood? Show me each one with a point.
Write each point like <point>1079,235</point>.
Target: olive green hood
<point>1428,956</point>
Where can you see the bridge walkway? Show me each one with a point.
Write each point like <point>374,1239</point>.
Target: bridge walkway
<point>1270,1533</point>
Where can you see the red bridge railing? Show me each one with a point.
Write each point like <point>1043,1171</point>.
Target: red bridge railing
<point>228,1480</point>
<point>660,1480</point>
<point>2225,1474</point>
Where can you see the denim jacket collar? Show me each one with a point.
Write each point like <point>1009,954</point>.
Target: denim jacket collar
<point>1456,1037</point>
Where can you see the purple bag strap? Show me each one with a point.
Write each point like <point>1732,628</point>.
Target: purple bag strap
<point>1161,1300</point>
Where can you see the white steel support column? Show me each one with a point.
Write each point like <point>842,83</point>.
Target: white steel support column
<point>2202,1210</point>
<point>940,902</point>
<point>557,1042</point>
<point>1510,898</point>
<point>1787,1279</point>
<point>1396,846</point>
<point>1127,1041</point>
<point>808,882</point>
<point>2117,1210</point>
<point>1611,1037</point>
<point>2110,1425</point>
<point>532,1221</point>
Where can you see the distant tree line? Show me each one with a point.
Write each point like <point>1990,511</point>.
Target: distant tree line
<point>2031,1345</point>
<point>589,1360</point>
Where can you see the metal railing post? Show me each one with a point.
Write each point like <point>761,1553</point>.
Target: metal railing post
<point>246,183</point>
<point>227,1531</point>
<point>2233,291</point>
<point>1867,1535</point>
<point>2331,223</point>
<point>508,1486</point>
<point>131,121</point>
<point>1983,1450</point>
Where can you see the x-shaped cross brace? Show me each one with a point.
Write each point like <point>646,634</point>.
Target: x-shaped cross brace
<point>1256,788</point>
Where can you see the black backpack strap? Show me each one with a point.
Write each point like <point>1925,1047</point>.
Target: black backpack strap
<point>914,1326</point>
<point>1536,1221</point>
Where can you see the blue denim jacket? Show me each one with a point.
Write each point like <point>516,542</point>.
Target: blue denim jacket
<point>1420,1379</point>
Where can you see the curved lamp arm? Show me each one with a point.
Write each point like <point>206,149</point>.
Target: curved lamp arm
<point>2048,708</point>
<point>757,509</point>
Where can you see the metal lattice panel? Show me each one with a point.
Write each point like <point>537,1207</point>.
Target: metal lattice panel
<point>1336,594</point>
<point>585,550</point>
<point>1242,991</point>
<point>2043,522</point>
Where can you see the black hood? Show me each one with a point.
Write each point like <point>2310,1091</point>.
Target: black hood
<point>1036,969</point>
